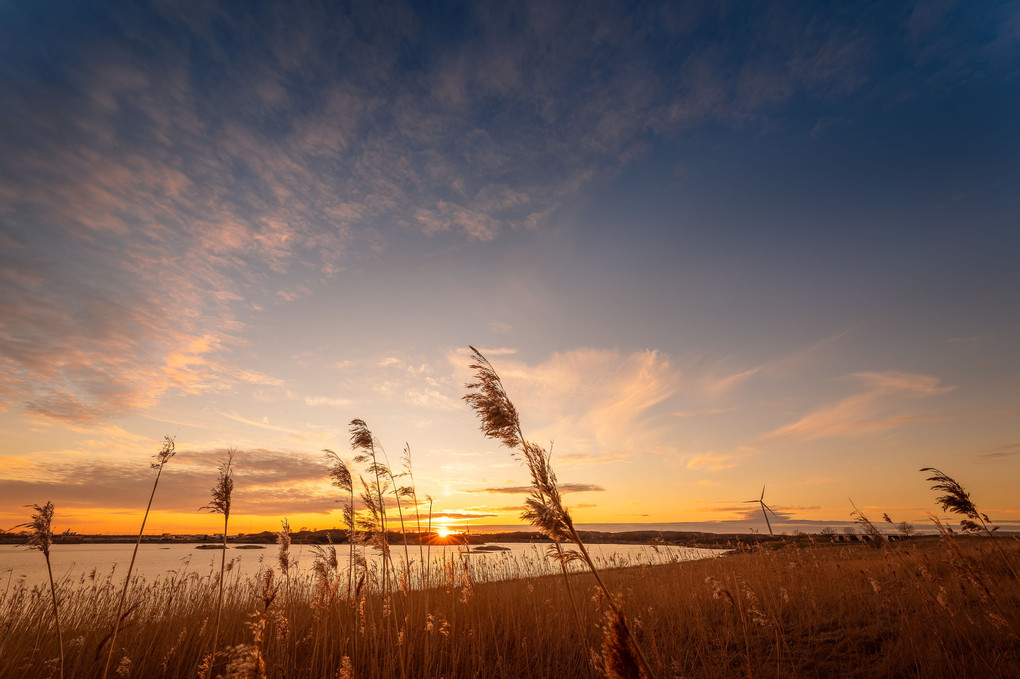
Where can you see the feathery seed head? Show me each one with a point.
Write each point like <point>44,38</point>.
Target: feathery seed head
<point>361,437</point>
<point>405,459</point>
<point>957,500</point>
<point>498,416</point>
<point>269,589</point>
<point>617,650</point>
<point>339,471</point>
<point>499,420</point>
<point>283,539</point>
<point>349,517</point>
<point>224,488</point>
<point>165,453</point>
<point>563,555</point>
<point>40,528</point>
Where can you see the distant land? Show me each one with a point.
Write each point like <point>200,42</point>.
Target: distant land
<point>649,534</point>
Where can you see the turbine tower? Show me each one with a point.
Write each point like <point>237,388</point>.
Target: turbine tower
<point>765,509</point>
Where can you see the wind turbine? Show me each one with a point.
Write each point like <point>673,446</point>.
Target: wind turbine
<point>765,509</point>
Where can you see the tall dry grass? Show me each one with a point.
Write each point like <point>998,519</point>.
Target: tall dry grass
<point>545,510</point>
<point>165,454</point>
<point>40,536</point>
<point>220,503</point>
<point>801,610</point>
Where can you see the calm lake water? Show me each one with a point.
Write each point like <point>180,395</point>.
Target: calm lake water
<point>77,562</point>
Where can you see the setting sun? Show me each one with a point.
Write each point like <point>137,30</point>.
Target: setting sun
<point>444,532</point>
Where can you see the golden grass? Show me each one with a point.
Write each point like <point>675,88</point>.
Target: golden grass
<point>928,608</point>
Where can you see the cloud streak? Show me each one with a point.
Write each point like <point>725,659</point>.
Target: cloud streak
<point>520,490</point>
<point>267,483</point>
<point>876,408</point>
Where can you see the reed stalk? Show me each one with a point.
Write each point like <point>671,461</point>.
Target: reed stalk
<point>428,548</point>
<point>342,478</point>
<point>40,537</point>
<point>363,440</point>
<point>220,504</point>
<point>956,499</point>
<point>162,457</point>
<point>417,508</point>
<point>283,558</point>
<point>397,492</point>
<point>545,510</point>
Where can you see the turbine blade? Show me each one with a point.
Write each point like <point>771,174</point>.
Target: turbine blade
<point>762,491</point>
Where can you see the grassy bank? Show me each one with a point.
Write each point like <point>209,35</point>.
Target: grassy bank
<point>932,608</point>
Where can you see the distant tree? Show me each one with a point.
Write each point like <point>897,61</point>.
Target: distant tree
<point>905,529</point>
<point>828,531</point>
<point>849,531</point>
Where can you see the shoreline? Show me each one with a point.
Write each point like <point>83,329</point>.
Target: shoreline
<point>339,536</point>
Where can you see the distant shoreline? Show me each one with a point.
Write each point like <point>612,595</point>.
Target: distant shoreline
<point>652,538</point>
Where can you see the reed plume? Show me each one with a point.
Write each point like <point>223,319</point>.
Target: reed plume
<point>221,494</point>
<point>283,539</point>
<point>342,479</point>
<point>373,494</point>
<point>40,536</point>
<point>161,458</point>
<point>619,661</point>
<point>283,559</point>
<point>398,492</point>
<point>428,548</point>
<point>956,499</point>
<point>413,494</point>
<point>499,420</point>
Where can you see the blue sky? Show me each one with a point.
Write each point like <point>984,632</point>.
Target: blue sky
<point>733,243</point>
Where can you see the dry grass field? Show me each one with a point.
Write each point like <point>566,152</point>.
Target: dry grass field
<point>929,607</point>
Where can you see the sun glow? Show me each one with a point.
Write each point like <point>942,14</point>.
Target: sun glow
<point>444,532</point>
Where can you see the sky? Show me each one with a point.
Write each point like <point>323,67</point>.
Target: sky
<point>708,246</point>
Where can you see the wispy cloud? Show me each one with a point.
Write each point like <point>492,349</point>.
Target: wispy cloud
<point>718,379</point>
<point>972,339</point>
<point>1000,452</point>
<point>876,408</point>
<point>265,424</point>
<point>462,515</point>
<point>715,461</point>
<point>267,483</point>
<point>326,401</point>
<point>518,490</point>
<point>593,402</point>
<point>587,459</point>
<point>702,411</point>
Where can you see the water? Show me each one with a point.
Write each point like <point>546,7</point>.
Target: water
<point>73,563</point>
